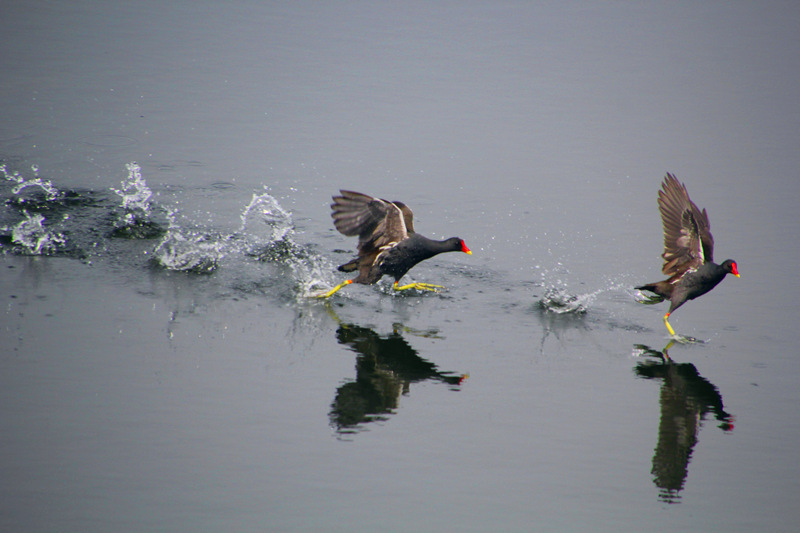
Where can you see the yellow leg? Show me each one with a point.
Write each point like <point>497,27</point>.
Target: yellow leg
<point>418,285</point>
<point>333,290</point>
<point>669,328</point>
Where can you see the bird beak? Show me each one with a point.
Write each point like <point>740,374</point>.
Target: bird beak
<point>465,249</point>
<point>735,270</point>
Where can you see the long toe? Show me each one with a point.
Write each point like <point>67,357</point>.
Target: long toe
<point>420,286</point>
<point>328,294</point>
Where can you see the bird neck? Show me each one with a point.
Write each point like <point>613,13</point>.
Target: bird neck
<point>431,246</point>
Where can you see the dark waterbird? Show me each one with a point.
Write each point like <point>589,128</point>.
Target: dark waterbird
<point>688,251</point>
<point>387,242</point>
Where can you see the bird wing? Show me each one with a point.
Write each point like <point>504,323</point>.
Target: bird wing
<point>687,237</point>
<point>704,227</point>
<point>376,222</point>
<point>408,216</point>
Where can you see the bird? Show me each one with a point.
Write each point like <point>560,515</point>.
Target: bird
<point>387,242</point>
<point>688,251</point>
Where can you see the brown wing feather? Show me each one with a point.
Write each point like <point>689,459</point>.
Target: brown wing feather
<point>408,216</point>
<point>352,215</point>
<point>687,238</point>
<point>376,222</point>
<point>704,227</point>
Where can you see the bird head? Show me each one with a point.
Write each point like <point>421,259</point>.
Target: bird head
<point>730,266</point>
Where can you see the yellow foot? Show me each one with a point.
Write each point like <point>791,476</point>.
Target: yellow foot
<point>419,286</point>
<point>680,338</point>
<point>328,294</point>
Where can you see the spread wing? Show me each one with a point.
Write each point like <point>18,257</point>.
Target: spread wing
<point>376,222</point>
<point>687,237</point>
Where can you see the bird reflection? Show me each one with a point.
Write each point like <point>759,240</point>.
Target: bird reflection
<point>686,397</point>
<point>386,366</point>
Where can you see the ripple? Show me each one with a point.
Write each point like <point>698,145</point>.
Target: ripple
<point>11,140</point>
<point>108,141</point>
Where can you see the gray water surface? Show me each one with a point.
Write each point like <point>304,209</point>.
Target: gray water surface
<point>166,186</point>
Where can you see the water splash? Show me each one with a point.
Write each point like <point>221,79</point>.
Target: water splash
<point>311,271</point>
<point>187,251</point>
<point>557,300</point>
<point>30,196</point>
<point>33,192</point>
<point>269,233</point>
<point>265,221</point>
<point>135,193</point>
<point>41,217</point>
<point>137,218</point>
<point>34,238</point>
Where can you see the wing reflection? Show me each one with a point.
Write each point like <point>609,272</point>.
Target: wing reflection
<point>386,366</point>
<point>686,398</point>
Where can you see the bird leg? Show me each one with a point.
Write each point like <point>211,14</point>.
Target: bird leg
<point>333,290</point>
<point>419,286</point>
<point>669,328</point>
<point>679,338</point>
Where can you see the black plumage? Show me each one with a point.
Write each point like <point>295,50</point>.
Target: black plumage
<point>688,250</point>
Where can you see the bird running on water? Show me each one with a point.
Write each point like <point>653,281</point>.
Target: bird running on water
<point>688,251</point>
<point>387,242</point>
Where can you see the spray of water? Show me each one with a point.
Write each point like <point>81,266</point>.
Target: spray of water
<point>559,298</point>
<point>264,221</point>
<point>187,250</point>
<point>27,190</point>
<point>269,234</point>
<point>137,219</point>
<point>32,235</point>
<point>34,238</point>
<point>135,193</point>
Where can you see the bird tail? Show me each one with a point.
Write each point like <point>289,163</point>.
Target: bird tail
<point>662,289</point>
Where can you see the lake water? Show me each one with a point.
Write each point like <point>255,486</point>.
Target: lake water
<point>166,185</point>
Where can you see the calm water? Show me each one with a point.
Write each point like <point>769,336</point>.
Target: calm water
<point>166,181</point>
